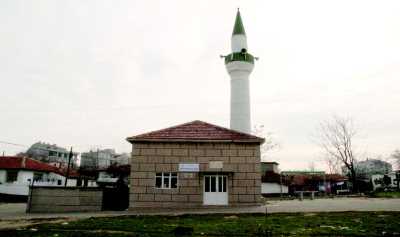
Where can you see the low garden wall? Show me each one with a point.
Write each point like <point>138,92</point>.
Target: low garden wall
<point>64,199</point>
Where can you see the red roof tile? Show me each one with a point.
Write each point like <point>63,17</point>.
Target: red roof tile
<point>196,131</point>
<point>25,163</point>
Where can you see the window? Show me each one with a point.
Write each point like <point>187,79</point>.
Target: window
<point>37,176</point>
<point>12,176</point>
<point>166,180</point>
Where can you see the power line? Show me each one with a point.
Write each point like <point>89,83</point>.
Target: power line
<point>14,144</point>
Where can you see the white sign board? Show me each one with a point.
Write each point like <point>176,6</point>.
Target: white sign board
<point>189,167</point>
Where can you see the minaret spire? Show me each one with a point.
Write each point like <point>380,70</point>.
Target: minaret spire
<point>239,65</point>
<point>238,28</point>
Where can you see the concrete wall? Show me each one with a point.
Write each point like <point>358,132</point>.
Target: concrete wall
<point>61,199</point>
<point>273,188</point>
<point>3,176</point>
<point>242,161</point>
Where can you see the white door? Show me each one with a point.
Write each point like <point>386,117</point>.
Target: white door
<point>215,190</point>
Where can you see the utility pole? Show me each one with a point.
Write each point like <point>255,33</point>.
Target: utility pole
<point>69,163</point>
<point>97,159</point>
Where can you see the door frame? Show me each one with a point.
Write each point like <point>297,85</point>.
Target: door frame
<point>225,195</point>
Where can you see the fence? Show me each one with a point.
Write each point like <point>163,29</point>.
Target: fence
<point>64,199</point>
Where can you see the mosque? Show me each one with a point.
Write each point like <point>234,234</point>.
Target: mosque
<point>198,164</point>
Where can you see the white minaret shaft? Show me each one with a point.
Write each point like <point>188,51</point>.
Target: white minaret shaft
<point>239,65</point>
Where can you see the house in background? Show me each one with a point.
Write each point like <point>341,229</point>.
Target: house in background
<point>195,164</point>
<point>317,181</point>
<point>52,154</point>
<point>271,180</point>
<point>17,173</point>
<point>388,181</point>
<point>98,159</point>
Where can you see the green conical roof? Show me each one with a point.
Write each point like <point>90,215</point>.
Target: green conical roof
<point>238,29</point>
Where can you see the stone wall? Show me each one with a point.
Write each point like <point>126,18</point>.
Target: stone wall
<point>64,199</point>
<point>241,162</point>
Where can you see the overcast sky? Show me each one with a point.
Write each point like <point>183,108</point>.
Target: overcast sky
<point>90,73</point>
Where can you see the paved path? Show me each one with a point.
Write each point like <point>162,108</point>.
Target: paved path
<point>335,205</point>
<point>9,212</point>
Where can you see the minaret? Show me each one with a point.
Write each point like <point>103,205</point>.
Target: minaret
<point>239,65</point>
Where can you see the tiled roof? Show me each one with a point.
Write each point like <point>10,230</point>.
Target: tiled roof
<point>25,163</point>
<point>196,131</point>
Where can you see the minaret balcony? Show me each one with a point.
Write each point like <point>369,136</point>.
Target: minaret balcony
<point>239,56</point>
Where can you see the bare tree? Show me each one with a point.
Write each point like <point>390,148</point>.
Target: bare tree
<point>396,157</point>
<point>269,144</point>
<point>333,165</point>
<point>335,138</point>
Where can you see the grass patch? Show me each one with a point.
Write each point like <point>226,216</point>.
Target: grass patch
<point>293,224</point>
<point>386,194</point>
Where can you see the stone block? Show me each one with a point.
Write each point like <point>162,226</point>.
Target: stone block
<point>154,159</point>
<point>188,190</point>
<point>133,197</point>
<point>196,152</point>
<point>163,167</point>
<point>213,152</point>
<point>243,182</point>
<point>179,198</point>
<point>239,190</point>
<point>145,167</point>
<point>251,190</point>
<point>172,159</point>
<point>140,189</point>
<point>253,175</point>
<point>164,151</point>
<point>192,182</point>
<point>134,182</point>
<point>162,197</point>
<point>147,151</point>
<point>134,167</point>
<point>230,167</point>
<point>139,175</point>
<point>246,198</point>
<point>203,159</point>
<point>145,182</point>
<point>146,197</point>
<point>237,159</point>
<point>195,198</point>
<point>180,152</point>
<point>238,175</point>
<point>229,152</point>
<point>251,159</point>
<point>140,145</point>
<point>156,145</point>
<point>221,145</point>
<point>233,198</point>
<point>139,159</point>
<point>245,152</point>
<point>135,152</point>
<point>188,159</point>
<point>246,167</point>
<point>171,145</point>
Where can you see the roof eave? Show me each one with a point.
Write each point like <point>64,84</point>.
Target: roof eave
<point>260,141</point>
